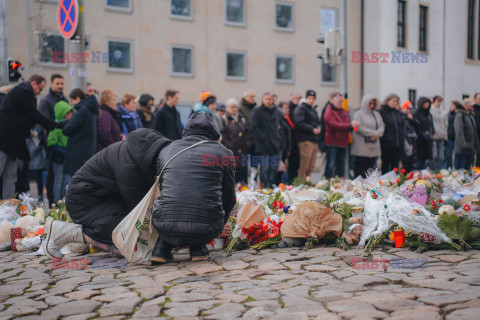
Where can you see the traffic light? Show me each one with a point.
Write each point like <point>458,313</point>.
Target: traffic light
<point>333,50</point>
<point>14,67</point>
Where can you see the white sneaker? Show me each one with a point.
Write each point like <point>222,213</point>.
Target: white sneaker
<point>58,235</point>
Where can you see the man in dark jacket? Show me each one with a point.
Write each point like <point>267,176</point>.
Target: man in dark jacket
<point>18,115</point>
<point>425,131</point>
<point>466,136</point>
<point>104,191</point>
<point>81,131</point>
<point>449,148</point>
<point>393,139</point>
<point>307,130</point>
<point>247,105</point>
<point>409,160</point>
<point>265,127</point>
<point>197,190</point>
<point>46,107</point>
<point>294,158</point>
<point>167,121</point>
<point>476,114</point>
<point>145,112</point>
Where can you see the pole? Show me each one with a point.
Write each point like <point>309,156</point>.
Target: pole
<point>345,47</point>
<point>3,44</point>
<point>77,45</point>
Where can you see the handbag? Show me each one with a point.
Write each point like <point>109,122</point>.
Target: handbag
<point>407,148</point>
<point>135,236</point>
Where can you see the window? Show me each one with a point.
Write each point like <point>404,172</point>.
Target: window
<point>412,96</point>
<point>284,16</point>
<point>470,31</point>
<point>284,69</point>
<point>181,9</point>
<point>235,12</point>
<point>119,5</point>
<point>119,55</point>
<point>328,20</point>
<point>236,65</point>
<point>182,61</point>
<point>465,96</point>
<point>401,34</point>
<point>51,50</point>
<point>422,46</point>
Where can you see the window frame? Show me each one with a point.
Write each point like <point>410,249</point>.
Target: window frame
<point>51,64</point>
<point>414,93</point>
<point>233,23</point>
<point>235,78</point>
<point>402,24</point>
<point>285,56</point>
<point>120,70</point>
<point>180,17</point>
<point>335,69</point>
<point>48,1</point>
<point>192,62</point>
<point>283,3</point>
<point>425,29</point>
<point>119,9</point>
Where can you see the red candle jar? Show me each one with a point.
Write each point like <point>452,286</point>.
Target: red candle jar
<point>399,237</point>
<point>15,233</point>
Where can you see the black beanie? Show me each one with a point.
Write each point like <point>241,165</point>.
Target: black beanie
<point>209,101</point>
<point>144,98</point>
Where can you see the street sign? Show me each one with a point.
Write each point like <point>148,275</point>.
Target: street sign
<point>67,17</point>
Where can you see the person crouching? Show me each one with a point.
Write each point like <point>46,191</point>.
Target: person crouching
<point>197,191</point>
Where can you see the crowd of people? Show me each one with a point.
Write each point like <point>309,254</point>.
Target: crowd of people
<point>272,141</point>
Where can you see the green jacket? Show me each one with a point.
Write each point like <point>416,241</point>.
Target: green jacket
<point>56,137</point>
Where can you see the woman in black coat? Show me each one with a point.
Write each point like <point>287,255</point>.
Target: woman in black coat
<point>105,190</point>
<point>425,132</point>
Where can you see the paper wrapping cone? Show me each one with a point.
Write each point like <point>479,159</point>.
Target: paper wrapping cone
<point>312,219</point>
<point>249,214</point>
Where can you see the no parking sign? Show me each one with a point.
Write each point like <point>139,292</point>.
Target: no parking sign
<point>67,17</point>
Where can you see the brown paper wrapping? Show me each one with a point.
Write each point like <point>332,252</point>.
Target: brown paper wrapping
<point>249,214</point>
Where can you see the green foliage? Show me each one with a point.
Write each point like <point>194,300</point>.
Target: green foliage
<point>454,227</point>
<point>453,203</point>
<point>299,181</point>
<point>267,243</point>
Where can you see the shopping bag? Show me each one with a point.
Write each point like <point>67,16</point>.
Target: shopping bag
<point>135,237</point>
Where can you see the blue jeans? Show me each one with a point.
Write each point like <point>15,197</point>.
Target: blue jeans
<point>268,169</point>
<point>449,154</point>
<point>59,182</point>
<point>464,161</point>
<point>335,159</point>
<point>438,152</point>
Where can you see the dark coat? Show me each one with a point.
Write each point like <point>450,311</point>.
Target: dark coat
<point>235,134</point>
<point>306,120</point>
<point>108,127</point>
<point>129,122</point>
<point>425,130</point>
<point>168,123</point>
<point>113,182</point>
<point>143,118</point>
<point>451,128</point>
<point>18,115</point>
<point>286,134</point>
<point>394,135</point>
<point>47,107</point>
<point>197,194</point>
<point>265,127</point>
<point>291,109</point>
<point>246,109</point>
<point>82,135</point>
<point>466,136</point>
<point>476,115</point>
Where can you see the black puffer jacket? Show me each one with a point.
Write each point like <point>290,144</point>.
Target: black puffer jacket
<point>306,120</point>
<point>113,182</point>
<point>394,134</point>
<point>197,187</point>
<point>425,129</point>
<point>265,127</point>
<point>82,135</point>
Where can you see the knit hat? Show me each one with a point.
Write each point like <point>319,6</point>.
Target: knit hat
<point>144,98</point>
<point>310,93</point>
<point>211,99</point>
<point>407,105</point>
<point>221,106</point>
<point>204,95</point>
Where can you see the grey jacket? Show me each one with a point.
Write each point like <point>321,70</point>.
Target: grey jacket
<point>466,137</point>
<point>440,122</point>
<point>371,123</point>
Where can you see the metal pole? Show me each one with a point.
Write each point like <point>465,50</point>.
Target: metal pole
<point>77,45</point>
<point>345,49</point>
<point>3,44</point>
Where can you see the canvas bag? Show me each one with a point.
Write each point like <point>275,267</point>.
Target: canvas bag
<point>135,237</point>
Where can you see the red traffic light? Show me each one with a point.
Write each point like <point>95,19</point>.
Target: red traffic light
<point>16,65</point>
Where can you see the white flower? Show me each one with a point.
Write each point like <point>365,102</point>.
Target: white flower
<point>446,209</point>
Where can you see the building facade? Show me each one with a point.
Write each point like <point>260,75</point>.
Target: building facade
<point>225,46</point>
<point>433,48</point>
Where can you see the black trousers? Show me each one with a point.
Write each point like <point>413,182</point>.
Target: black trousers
<point>50,182</point>
<point>390,158</point>
<point>362,164</point>
<point>293,162</point>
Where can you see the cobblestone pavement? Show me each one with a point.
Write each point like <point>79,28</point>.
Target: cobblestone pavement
<point>292,283</point>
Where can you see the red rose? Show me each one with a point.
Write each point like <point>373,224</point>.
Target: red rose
<point>403,171</point>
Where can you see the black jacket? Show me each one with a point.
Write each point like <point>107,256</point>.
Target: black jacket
<point>82,135</point>
<point>235,134</point>
<point>246,110</point>
<point>394,134</point>
<point>197,186</point>
<point>291,109</point>
<point>168,123</point>
<point>451,128</point>
<point>286,134</point>
<point>113,182</point>
<point>411,129</point>
<point>47,107</point>
<point>18,115</point>
<point>265,127</point>
<point>306,119</point>
<point>425,130</point>
<point>476,115</point>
